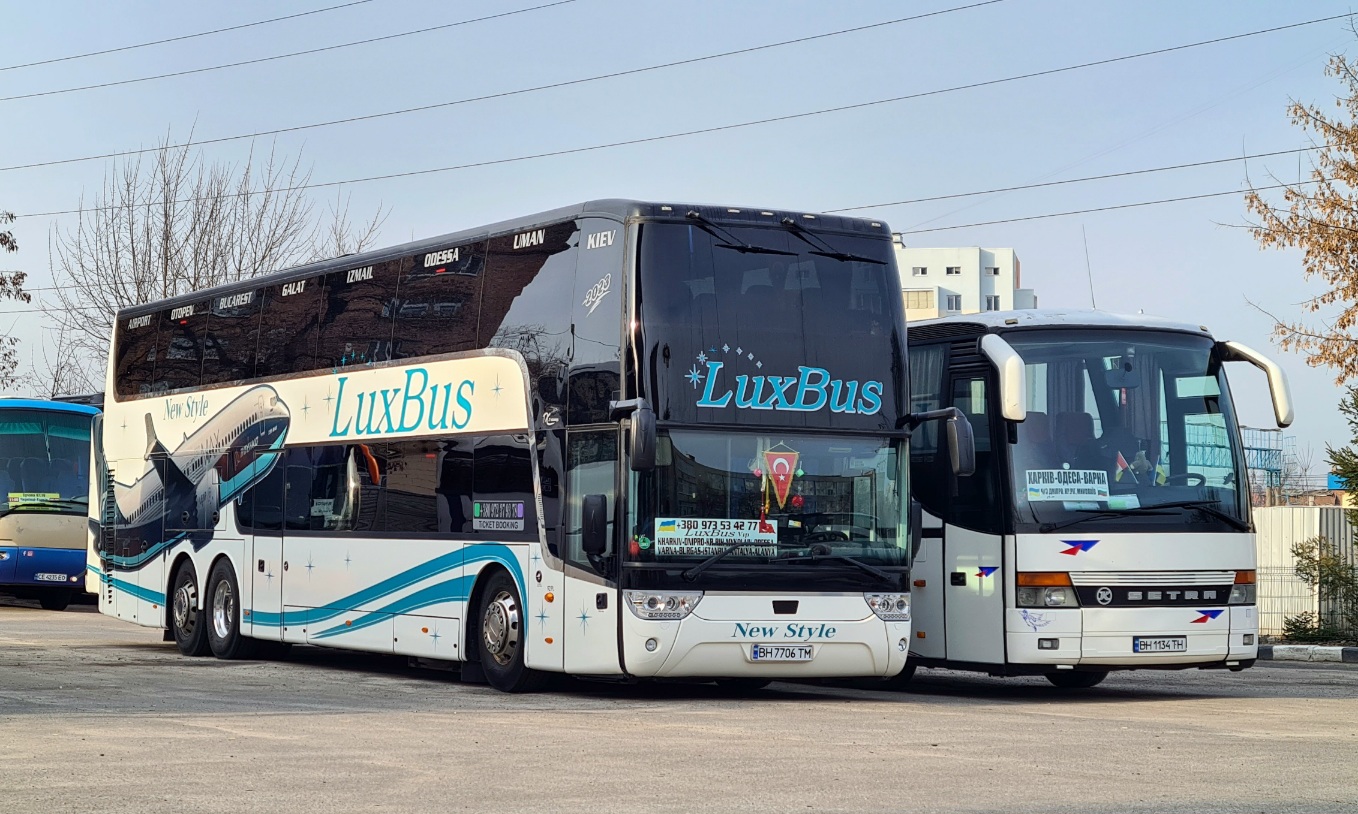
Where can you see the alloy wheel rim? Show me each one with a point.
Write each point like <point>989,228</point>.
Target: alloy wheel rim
<point>223,609</point>
<point>500,628</point>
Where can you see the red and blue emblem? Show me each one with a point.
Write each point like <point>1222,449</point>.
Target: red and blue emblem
<point>1076,546</point>
<point>1208,615</point>
<point>987,570</point>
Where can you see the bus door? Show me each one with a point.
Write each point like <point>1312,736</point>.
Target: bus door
<point>261,508</point>
<point>592,602</point>
<point>972,546</point>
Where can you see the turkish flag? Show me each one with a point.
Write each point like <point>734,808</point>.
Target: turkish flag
<point>781,467</point>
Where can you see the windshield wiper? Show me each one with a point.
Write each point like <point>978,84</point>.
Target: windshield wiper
<point>824,249</point>
<point>47,504</point>
<point>734,243</point>
<point>1204,506</point>
<point>816,556</point>
<point>692,573</point>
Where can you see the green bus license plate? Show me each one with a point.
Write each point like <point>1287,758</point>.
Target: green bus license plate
<point>1159,644</point>
<point>781,652</point>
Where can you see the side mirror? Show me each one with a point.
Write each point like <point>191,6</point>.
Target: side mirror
<point>594,525</point>
<point>916,528</point>
<point>1012,377</point>
<point>641,434</point>
<point>961,445</point>
<point>641,439</point>
<point>1277,379</point>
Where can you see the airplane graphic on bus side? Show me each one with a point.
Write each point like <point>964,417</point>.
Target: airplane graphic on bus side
<point>184,488</point>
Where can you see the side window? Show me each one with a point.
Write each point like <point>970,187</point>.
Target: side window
<point>524,307</point>
<point>930,475</point>
<point>504,506</point>
<point>300,473</point>
<point>356,315</point>
<point>231,341</point>
<point>976,504</point>
<point>287,332</point>
<point>334,499</point>
<point>411,491</point>
<point>261,506</point>
<point>179,355</point>
<point>371,462</point>
<point>136,354</point>
<point>595,376</point>
<point>591,469</point>
<point>455,459</point>
<point>438,301</point>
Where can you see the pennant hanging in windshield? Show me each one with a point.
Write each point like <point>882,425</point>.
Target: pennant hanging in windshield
<point>782,467</point>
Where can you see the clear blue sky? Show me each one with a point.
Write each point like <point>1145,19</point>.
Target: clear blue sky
<point>1187,261</point>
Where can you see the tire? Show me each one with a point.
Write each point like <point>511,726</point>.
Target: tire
<point>500,637</point>
<point>223,614</point>
<point>902,679</point>
<point>1077,680</point>
<point>55,600</point>
<point>187,625</point>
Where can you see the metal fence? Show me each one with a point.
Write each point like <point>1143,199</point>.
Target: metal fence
<point>1281,593</point>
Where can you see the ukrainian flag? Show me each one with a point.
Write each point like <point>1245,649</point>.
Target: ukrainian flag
<point>666,525</point>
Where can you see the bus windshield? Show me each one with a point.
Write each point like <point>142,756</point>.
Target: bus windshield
<point>44,460</point>
<point>782,499</point>
<point>1126,430</point>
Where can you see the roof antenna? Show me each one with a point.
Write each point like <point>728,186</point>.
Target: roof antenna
<point>1088,273</point>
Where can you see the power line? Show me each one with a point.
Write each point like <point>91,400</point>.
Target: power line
<point>504,94</point>
<point>183,36</point>
<point>726,127</point>
<point>1100,209</point>
<point>1105,177</point>
<point>288,55</point>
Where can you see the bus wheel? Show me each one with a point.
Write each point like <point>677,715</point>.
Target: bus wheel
<point>1073,680</point>
<point>188,621</point>
<point>901,679</point>
<point>501,641</point>
<point>55,600</point>
<point>223,614</point>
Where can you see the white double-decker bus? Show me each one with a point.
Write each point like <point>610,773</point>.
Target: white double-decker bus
<point>1107,526</point>
<point>621,440</point>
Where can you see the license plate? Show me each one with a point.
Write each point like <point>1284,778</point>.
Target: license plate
<point>781,652</point>
<point>50,577</point>
<point>1159,644</point>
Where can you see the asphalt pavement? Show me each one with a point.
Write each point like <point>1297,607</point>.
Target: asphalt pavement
<point>100,715</point>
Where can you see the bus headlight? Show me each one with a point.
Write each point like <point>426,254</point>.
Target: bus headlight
<point>1049,597</point>
<point>889,607</point>
<point>666,605</point>
<point>1242,592</point>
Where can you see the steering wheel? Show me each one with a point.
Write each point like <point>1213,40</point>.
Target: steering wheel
<point>1190,478</point>
<point>825,537</point>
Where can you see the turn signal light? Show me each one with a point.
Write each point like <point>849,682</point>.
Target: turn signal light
<point>1244,577</point>
<point>1040,579</point>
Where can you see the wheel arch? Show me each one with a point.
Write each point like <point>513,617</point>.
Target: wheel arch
<point>472,631</point>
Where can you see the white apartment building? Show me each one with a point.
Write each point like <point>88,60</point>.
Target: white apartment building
<point>939,282</point>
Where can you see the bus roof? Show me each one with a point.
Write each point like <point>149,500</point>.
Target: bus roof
<point>614,208</point>
<point>50,406</point>
<point>999,321</point>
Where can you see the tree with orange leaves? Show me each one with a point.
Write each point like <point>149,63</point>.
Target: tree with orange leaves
<point>1320,217</point>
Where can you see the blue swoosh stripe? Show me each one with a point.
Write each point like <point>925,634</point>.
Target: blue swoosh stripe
<point>454,590</point>
<point>145,594</point>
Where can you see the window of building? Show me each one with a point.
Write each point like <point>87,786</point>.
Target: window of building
<point>953,271</point>
<point>954,302</point>
<point>992,302</point>
<point>920,271</point>
<point>919,300</point>
<point>993,271</point>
